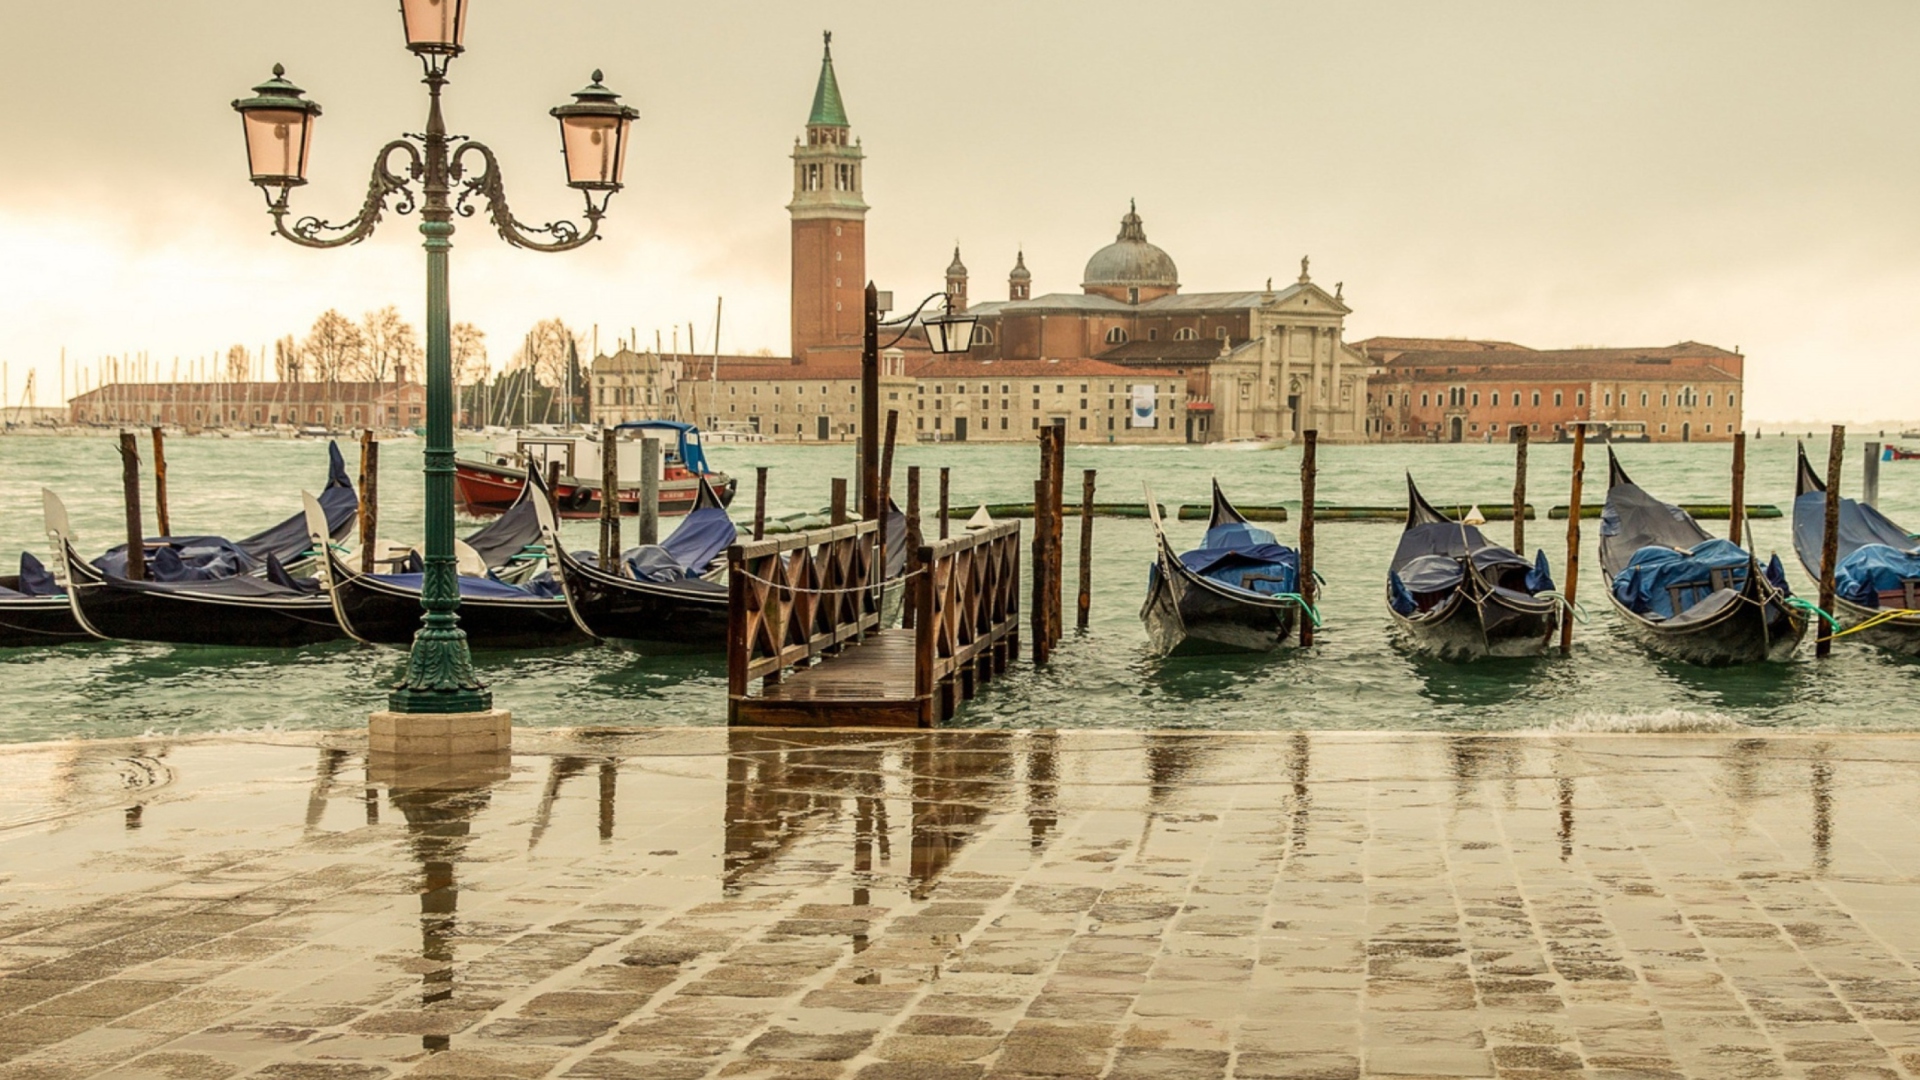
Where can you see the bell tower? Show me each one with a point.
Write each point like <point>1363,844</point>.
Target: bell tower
<point>957,281</point>
<point>829,225</point>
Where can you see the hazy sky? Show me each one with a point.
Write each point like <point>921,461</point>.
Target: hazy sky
<point>1558,174</point>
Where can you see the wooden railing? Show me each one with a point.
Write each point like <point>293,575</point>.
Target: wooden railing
<point>796,598</point>
<point>966,599</point>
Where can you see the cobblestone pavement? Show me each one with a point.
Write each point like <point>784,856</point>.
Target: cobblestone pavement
<point>959,905</point>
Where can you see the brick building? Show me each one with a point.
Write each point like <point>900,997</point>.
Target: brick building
<point>1469,391</point>
<point>336,405</point>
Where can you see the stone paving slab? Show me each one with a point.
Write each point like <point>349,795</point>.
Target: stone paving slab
<point>964,906</point>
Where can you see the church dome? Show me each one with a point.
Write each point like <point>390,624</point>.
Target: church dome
<point>1130,260</point>
<point>1020,271</point>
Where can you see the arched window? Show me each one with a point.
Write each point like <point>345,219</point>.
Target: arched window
<point>1186,333</point>
<point>1116,336</point>
<point>982,335</point>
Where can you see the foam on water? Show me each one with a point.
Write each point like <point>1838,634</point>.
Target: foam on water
<point>1664,720</point>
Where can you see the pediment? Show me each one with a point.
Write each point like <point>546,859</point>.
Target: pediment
<point>1308,299</point>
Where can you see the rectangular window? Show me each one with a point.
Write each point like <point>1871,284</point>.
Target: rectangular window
<point>1003,423</point>
<point>1083,423</point>
<point>1083,403</point>
<point>1709,403</point>
<point>1536,403</point>
<point>1476,401</point>
<point>1580,398</point>
<point>1663,404</point>
<point>1036,423</point>
<point>1423,401</point>
<point>1557,402</point>
<point>1643,399</point>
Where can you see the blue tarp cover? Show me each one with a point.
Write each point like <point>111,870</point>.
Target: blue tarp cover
<point>36,579</point>
<point>1642,585</point>
<point>1230,553</point>
<point>1872,569</point>
<point>183,558</point>
<point>700,539</point>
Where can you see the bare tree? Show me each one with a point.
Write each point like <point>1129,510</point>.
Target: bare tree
<point>388,344</point>
<point>333,347</point>
<point>546,350</point>
<point>287,361</point>
<point>469,354</point>
<point>239,364</point>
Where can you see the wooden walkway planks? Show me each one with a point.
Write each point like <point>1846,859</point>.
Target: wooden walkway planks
<point>868,684</point>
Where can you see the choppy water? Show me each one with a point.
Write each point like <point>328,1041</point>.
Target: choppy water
<point>1353,679</point>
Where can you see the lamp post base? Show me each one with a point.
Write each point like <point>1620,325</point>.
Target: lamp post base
<point>440,734</point>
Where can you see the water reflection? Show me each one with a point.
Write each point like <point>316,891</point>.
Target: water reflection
<point>1214,677</point>
<point>439,798</point>
<point>1745,688</point>
<point>1481,684</point>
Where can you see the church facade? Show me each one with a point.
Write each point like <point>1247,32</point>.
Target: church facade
<point>1263,364</point>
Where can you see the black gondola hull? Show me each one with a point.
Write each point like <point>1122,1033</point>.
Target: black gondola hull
<point>643,615</point>
<point>381,614</point>
<point>1185,614</point>
<point>1898,636</point>
<point>1746,633</point>
<point>1496,627</point>
<point>38,621</point>
<point>130,611</point>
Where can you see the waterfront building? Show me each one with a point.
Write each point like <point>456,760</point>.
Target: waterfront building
<point>1257,364</point>
<point>1471,391</point>
<point>240,405</point>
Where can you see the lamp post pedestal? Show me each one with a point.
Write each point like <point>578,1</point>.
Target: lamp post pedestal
<point>440,735</point>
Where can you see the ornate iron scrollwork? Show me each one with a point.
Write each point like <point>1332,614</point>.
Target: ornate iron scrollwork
<point>309,231</point>
<point>488,184</point>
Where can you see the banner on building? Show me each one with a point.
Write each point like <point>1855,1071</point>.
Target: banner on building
<point>1143,407</point>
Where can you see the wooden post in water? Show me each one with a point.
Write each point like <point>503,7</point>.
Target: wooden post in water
<point>886,457</point>
<point>161,517</point>
<point>1309,481</point>
<point>369,499</point>
<point>883,502</point>
<point>609,500</point>
<point>838,511</point>
<point>1870,478</point>
<point>1520,492</point>
<point>943,500</point>
<point>760,502</point>
<point>1086,547</point>
<point>649,491</point>
<point>1573,536</point>
<point>910,608</point>
<point>553,488</point>
<point>1830,538</point>
<point>1037,618</point>
<point>1737,509</point>
<point>130,485</point>
<point>1057,512</point>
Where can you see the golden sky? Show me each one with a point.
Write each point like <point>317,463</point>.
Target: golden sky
<point>1630,173</point>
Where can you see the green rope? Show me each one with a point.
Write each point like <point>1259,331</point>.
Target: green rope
<point>1301,601</point>
<point>1578,610</point>
<point>1812,608</point>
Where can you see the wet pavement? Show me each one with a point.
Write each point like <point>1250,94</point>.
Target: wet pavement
<point>962,905</point>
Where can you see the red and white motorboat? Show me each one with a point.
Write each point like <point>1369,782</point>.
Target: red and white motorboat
<point>492,485</point>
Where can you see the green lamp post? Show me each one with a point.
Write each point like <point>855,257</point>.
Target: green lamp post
<point>450,173</point>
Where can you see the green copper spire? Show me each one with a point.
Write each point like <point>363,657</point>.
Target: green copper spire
<point>827,109</point>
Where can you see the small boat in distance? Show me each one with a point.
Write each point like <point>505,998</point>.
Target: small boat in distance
<point>1899,453</point>
<point>493,485</point>
<point>1685,594</point>
<point>1238,592</point>
<point>1456,595</point>
<point>1876,578</point>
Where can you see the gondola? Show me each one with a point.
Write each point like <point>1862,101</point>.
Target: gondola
<point>34,610</point>
<point>201,558</point>
<point>1455,595</point>
<point>658,595</point>
<point>1685,594</point>
<point>1238,592</point>
<point>384,609</point>
<point>241,610</point>
<point>1877,569</point>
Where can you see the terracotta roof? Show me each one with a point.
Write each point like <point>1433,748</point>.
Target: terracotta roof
<point>1563,373</point>
<point>784,371</point>
<point>1689,350</point>
<point>1196,351</point>
<point>1424,344</point>
<point>1026,369</point>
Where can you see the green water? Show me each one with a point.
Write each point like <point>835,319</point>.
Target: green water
<point>1353,679</point>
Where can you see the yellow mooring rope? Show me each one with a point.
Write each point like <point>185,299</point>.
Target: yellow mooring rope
<point>1878,619</point>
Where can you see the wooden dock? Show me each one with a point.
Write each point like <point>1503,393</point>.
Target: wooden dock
<point>806,627</point>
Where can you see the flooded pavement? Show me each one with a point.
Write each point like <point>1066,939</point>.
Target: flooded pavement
<point>964,904</point>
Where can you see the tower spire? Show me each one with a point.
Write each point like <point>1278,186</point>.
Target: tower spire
<point>828,110</point>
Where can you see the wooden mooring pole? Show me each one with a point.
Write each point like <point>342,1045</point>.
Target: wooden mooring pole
<point>1086,547</point>
<point>943,501</point>
<point>910,608</point>
<point>760,502</point>
<point>837,512</point>
<point>649,491</point>
<point>609,500</point>
<point>1870,477</point>
<point>160,515</point>
<point>369,499</point>
<point>1737,509</point>
<point>1309,481</point>
<point>1520,492</point>
<point>553,488</point>
<point>1056,518</point>
<point>1830,538</point>
<point>1573,537</point>
<point>1042,534</point>
<point>130,486</point>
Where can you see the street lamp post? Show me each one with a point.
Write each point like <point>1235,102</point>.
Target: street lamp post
<point>947,333</point>
<point>451,172</point>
